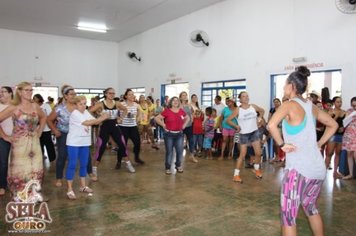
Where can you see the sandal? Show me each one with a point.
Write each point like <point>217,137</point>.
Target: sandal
<point>155,147</point>
<point>338,175</point>
<point>59,183</point>
<point>347,177</point>
<point>71,195</point>
<point>93,177</point>
<point>85,189</point>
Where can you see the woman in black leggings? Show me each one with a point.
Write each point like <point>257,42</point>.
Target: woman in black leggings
<point>110,128</point>
<point>128,124</point>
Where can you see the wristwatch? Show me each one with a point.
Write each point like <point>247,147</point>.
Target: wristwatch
<point>281,145</point>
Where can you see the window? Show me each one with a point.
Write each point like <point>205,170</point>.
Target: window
<point>89,93</point>
<point>228,88</point>
<point>139,91</point>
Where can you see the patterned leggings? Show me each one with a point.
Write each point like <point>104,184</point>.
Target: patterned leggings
<point>297,189</point>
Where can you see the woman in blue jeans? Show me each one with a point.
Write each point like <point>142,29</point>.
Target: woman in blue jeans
<point>58,122</point>
<point>6,126</point>
<point>173,120</point>
<point>188,129</point>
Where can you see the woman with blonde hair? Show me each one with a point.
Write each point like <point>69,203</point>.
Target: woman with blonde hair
<point>26,156</point>
<point>78,143</point>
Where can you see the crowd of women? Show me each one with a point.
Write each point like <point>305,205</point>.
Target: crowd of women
<point>300,129</point>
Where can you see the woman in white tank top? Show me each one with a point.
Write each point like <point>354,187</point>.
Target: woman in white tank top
<point>249,134</point>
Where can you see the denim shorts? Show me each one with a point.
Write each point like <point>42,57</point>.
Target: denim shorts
<point>336,138</point>
<point>250,137</point>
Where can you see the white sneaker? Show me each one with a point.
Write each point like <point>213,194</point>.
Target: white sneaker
<point>129,167</point>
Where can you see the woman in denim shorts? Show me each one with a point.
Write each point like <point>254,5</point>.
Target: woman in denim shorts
<point>249,134</point>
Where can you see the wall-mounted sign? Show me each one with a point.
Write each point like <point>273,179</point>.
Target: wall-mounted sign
<point>310,66</point>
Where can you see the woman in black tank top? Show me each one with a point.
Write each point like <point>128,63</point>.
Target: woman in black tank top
<point>110,128</point>
<point>335,143</point>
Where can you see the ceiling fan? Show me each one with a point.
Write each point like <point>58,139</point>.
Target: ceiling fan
<point>346,6</point>
<point>199,38</point>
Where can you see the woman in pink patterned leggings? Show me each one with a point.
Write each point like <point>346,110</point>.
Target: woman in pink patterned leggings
<point>305,170</point>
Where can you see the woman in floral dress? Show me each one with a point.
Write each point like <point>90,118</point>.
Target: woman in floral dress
<point>26,155</point>
<point>349,139</point>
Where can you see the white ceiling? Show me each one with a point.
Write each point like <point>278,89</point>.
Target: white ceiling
<point>124,18</point>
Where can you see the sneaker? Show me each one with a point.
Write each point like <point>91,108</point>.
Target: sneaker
<point>258,173</point>
<point>129,167</point>
<point>180,169</point>
<point>237,178</point>
<point>168,172</point>
<point>71,195</point>
<point>85,189</point>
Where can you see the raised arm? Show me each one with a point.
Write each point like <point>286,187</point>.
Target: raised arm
<point>234,114</point>
<point>259,110</point>
<point>277,117</point>
<point>7,112</point>
<point>96,121</point>
<point>95,108</point>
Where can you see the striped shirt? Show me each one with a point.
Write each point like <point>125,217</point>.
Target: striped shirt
<point>130,119</point>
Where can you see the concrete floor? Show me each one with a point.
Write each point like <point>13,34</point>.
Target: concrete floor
<point>201,201</point>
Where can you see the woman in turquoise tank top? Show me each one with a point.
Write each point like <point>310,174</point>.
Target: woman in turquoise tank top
<point>305,170</point>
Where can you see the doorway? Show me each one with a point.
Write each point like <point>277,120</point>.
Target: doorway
<point>317,80</point>
<point>172,90</point>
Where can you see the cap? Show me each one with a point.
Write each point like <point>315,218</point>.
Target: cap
<point>314,92</point>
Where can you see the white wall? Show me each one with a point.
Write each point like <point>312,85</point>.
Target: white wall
<point>249,39</point>
<point>61,60</point>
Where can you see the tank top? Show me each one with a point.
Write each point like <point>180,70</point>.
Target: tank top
<point>340,122</point>
<point>307,159</point>
<point>188,110</point>
<point>113,112</point>
<point>247,120</point>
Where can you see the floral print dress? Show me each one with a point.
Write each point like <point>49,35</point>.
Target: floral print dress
<point>26,156</point>
<point>349,138</point>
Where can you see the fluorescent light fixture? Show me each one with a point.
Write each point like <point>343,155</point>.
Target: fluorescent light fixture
<point>92,27</point>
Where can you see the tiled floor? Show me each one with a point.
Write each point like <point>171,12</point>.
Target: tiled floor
<point>201,201</point>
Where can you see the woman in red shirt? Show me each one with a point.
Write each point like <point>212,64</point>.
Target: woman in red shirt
<point>173,120</point>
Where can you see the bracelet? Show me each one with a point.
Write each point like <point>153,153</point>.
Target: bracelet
<point>281,145</point>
